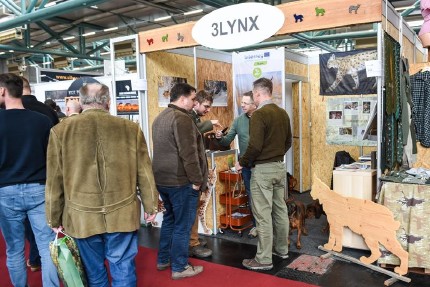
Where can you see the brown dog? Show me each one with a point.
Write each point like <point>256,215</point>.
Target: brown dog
<point>297,216</point>
<point>315,210</point>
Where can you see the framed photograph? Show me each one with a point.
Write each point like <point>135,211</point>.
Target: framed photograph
<point>165,84</point>
<point>218,90</point>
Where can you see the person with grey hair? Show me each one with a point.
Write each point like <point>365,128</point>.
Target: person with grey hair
<point>269,140</point>
<point>73,108</point>
<point>92,193</point>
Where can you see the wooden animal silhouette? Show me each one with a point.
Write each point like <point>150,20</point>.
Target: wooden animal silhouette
<point>319,11</point>
<point>180,37</point>
<point>165,38</point>
<point>150,41</point>
<point>373,221</point>
<point>298,18</point>
<point>354,8</point>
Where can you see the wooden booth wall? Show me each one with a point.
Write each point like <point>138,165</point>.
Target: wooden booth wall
<point>165,64</point>
<point>322,153</point>
<point>217,71</point>
<point>300,69</point>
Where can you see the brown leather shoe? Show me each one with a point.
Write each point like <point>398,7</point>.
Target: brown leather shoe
<point>189,271</point>
<point>199,251</point>
<point>253,264</point>
<point>33,268</point>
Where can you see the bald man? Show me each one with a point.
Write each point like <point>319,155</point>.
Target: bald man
<point>73,108</point>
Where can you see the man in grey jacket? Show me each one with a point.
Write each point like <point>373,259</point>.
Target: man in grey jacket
<point>180,171</point>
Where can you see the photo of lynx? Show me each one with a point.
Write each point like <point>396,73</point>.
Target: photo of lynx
<point>349,66</point>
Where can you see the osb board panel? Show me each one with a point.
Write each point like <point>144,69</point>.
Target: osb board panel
<point>295,68</point>
<point>323,154</point>
<point>217,71</point>
<point>165,64</point>
<point>408,50</point>
<point>415,68</point>
<point>175,36</point>
<point>390,29</point>
<point>336,14</point>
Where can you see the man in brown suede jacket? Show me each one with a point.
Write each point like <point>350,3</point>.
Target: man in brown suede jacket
<point>180,170</point>
<point>270,138</point>
<point>95,162</point>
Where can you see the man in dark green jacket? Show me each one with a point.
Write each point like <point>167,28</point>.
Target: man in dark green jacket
<point>270,138</point>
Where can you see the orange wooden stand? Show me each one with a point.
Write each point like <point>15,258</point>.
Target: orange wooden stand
<point>235,200</point>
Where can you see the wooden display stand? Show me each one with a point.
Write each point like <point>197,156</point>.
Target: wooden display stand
<point>235,200</point>
<point>358,184</point>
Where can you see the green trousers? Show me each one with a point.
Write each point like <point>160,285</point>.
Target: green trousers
<point>269,209</point>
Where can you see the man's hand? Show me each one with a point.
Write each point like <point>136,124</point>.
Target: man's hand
<point>57,229</point>
<point>149,217</point>
<point>216,123</point>
<point>218,134</point>
<point>237,166</point>
<point>196,187</point>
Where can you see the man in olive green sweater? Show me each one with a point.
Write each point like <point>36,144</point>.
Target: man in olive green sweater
<point>270,138</point>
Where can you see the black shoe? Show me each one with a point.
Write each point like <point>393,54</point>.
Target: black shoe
<point>203,242</point>
<point>199,251</point>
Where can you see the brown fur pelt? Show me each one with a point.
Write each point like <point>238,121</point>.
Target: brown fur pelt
<point>297,217</point>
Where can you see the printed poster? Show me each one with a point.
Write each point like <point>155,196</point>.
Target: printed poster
<point>252,65</point>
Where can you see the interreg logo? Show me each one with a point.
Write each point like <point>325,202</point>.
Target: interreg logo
<point>253,57</point>
<point>238,25</point>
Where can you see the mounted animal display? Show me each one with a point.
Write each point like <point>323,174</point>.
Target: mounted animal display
<point>373,221</point>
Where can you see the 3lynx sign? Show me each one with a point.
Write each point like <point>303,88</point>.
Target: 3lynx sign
<point>238,25</point>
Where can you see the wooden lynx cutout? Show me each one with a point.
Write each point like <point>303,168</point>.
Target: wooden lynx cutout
<point>205,198</point>
<point>373,221</point>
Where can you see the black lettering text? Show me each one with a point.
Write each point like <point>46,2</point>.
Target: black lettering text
<point>215,26</point>
<point>231,25</point>
<point>253,23</point>
<point>244,26</point>
<point>220,29</point>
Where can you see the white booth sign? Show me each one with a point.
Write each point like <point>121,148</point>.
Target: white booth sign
<point>238,25</point>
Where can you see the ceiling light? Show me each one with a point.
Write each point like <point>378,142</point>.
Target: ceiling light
<point>111,29</point>
<point>11,51</point>
<point>415,23</point>
<point>89,34</point>
<point>104,53</point>
<point>193,12</point>
<point>47,43</point>
<point>2,53</point>
<point>162,18</point>
<point>51,4</point>
<point>404,8</point>
<point>69,38</point>
<point>94,6</point>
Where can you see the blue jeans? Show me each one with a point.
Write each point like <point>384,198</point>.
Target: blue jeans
<point>16,203</point>
<point>34,256</point>
<point>180,203</point>
<point>246,176</point>
<point>120,250</point>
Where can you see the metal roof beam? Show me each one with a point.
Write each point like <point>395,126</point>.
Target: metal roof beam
<point>55,35</point>
<point>410,10</point>
<point>52,38</point>
<point>98,48</point>
<point>81,24</point>
<point>46,13</point>
<point>11,6</point>
<point>47,52</point>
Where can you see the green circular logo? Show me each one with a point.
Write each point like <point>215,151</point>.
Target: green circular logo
<point>256,72</point>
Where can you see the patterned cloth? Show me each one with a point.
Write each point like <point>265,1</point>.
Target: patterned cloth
<point>420,84</point>
<point>410,204</point>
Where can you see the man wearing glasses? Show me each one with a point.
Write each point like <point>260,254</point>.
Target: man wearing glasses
<point>240,127</point>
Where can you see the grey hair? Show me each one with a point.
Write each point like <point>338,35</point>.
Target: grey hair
<point>93,97</point>
<point>263,84</point>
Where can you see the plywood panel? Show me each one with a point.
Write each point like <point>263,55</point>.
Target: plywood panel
<point>217,71</point>
<point>295,68</point>
<point>415,68</point>
<point>336,14</point>
<point>176,36</point>
<point>323,154</point>
<point>390,29</point>
<point>408,50</point>
<point>165,64</point>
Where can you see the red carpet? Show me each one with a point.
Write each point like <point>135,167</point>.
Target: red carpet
<point>214,275</point>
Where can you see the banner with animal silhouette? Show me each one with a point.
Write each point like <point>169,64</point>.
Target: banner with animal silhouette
<point>344,73</point>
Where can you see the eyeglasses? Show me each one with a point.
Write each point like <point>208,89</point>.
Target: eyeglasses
<point>207,106</point>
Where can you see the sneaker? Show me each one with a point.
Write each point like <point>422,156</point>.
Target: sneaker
<point>163,266</point>
<point>253,264</point>
<point>189,271</point>
<point>199,251</point>
<point>253,232</point>
<point>202,241</point>
<point>33,267</point>
<point>283,256</point>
